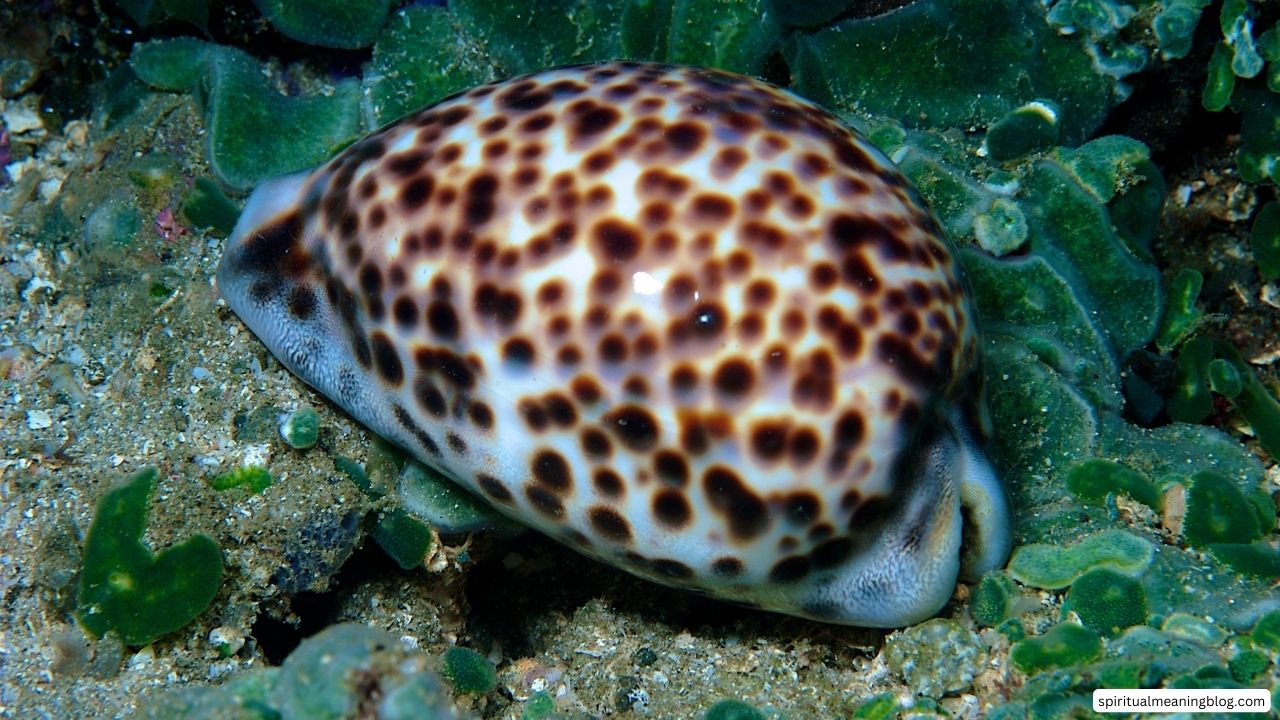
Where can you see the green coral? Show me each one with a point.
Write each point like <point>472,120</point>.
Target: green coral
<point>992,600</point>
<point>468,671</point>
<point>1107,601</point>
<point>127,589</point>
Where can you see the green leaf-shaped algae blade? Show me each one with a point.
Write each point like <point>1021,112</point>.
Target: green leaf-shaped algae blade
<point>1051,567</point>
<point>126,588</point>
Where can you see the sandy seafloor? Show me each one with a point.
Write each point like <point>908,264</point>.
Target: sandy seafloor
<point>116,355</point>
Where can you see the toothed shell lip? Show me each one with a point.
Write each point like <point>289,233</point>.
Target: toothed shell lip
<point>677,318</point>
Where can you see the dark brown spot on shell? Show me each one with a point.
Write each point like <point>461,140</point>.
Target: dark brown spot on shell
<point>609,524</point>
<point>480,414</point>
<point>671,509</point>
<point>545,501</point>
<point>634,426</point>
<point>386,359</point>
<point>789,570</point>
<point>734,378</point>
<point>493,488</point>
<point>302,302</point>
<point>608,483</point>
<point>729,496</point>
<point>727,567</point>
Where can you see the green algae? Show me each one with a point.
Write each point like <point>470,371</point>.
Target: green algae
<point>174,64</point>
<point>1033,126</point>
<point>440,502</point>
<point>1224,379</point>
<point>254,478</point>
<point>247,697</point>
<point>241,109</point>
<point>1264,240</point>
<point>1266,632</point>
<point>327,23</point>
<point>879,707</point>
<point>127,589</point>
<point>1219,512</point>
<point>538,706</point>
<point>732,710</point>
<point>991,602</point>
<point>1106,601</point>
<point>420,59</point>
<point>206,206</point>
<point>301,429</point>
<point>1260,559</point>
<point>1194,628</point>
<point>329,676</point>
<point>1063,645</point>
<point>1095,479</point>
<point>1053,567</point>
<point>406,539</point>
<point>253,131</point>
<point>972,62</point>
<point>468,671</point>
<point>1247,665</point>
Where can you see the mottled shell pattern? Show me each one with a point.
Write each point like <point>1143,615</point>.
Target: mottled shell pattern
<point>679,319</point>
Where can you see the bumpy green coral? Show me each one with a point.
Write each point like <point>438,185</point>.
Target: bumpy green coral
<point>992,598</point>
<point>1107,601</point>
<point>469,671</point>
<point>126,588</point>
